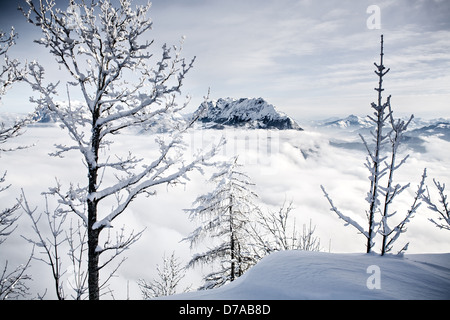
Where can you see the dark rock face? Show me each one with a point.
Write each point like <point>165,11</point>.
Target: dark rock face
<point>248,113</point>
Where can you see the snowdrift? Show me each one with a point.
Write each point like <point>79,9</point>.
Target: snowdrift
<point>298,275</point>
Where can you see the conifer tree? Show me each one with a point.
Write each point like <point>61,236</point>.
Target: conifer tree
<point>224,214</point>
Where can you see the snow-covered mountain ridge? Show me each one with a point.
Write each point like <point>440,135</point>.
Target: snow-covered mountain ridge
<point>245,112</point>
<point>417,126</point>
<point>439,128</point>
<point>303,275</point>
<point>414,138</point>
<point>350,122</point>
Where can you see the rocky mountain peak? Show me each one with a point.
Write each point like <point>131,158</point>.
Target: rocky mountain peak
<point>251,113</point>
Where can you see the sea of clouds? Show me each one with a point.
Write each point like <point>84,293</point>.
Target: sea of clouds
<point>284,166</point>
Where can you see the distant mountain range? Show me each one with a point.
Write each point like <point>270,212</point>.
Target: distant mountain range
<point>351,122</point>
<point>256,113</point>
<point>419,128</point>
<point>246,113</point>
<point>440,128</point>
<point>413,138</point>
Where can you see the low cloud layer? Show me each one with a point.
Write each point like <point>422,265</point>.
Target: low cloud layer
<point>284,165</point>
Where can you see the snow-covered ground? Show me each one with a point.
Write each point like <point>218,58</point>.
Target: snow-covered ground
<point>302,275</point>
<point>284,165</point>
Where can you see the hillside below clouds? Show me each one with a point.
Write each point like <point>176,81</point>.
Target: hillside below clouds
<point>246,113</point>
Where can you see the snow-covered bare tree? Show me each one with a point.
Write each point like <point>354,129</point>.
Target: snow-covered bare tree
<point>375,159</point>
<point>169,276</point>
<point>52,235</point>
<point>391,191</point>
<point>382,164</point>
<point>102,47</point>
<point>8,218</point>
<point>224,214</point>
<point>12,282</point>
<point>276,231</point>
<point>442,209</point>
<point>10,73</point>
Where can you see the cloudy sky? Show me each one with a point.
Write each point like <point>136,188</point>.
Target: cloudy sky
<point>311,59</point>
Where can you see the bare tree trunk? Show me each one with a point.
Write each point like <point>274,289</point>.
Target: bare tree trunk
<point>93,234</point>
<point>93,255</point>
<point>376,175</point>
<point>232,241</point>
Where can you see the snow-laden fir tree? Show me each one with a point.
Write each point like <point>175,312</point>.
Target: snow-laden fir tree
<point>103,47</point>
<point>382,164</point>
<point>223,216</point>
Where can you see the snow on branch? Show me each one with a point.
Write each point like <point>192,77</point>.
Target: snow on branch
<point>10,73</point>
<point>169,276</point>
<point>13,282</point>
<point>346,219</point>
<point>103,47</point>
<point>224,214</point>
<point>390,235</point>
<point>442,209</point>
<point>50,245</point>
<point>276,231</point>
<point>151,176</point>
<point>377,157</point>
<point>119,245</point>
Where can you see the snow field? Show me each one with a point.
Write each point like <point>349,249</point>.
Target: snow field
<point>300,275</point>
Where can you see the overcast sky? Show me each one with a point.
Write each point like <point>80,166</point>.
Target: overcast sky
<point>311,59</point>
